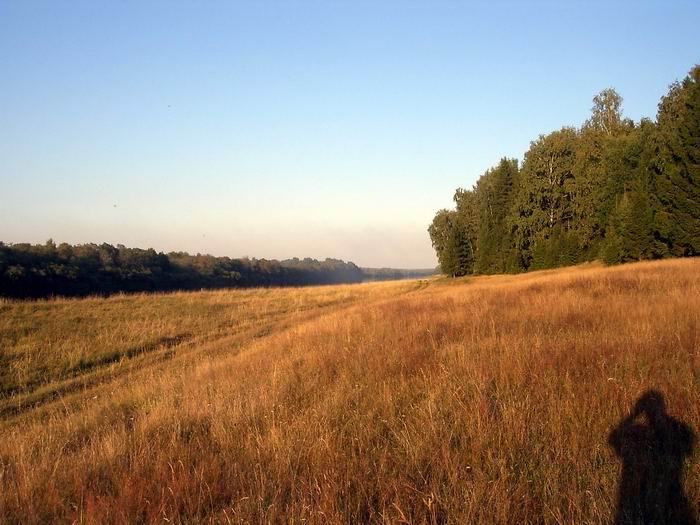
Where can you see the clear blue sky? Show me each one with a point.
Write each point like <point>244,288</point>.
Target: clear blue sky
<point>279,129</point>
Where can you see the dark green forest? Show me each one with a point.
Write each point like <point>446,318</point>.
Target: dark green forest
<point>43,270</point>
<point>611,190</point>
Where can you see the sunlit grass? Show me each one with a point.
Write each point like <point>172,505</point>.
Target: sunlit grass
<point>483,400</point>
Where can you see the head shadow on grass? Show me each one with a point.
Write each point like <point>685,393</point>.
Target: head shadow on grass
<point>652,446</point>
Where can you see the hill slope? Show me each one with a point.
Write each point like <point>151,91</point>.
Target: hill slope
<point>486,400</point>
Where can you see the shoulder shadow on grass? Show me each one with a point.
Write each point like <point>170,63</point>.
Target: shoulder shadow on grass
<point>652,446</point>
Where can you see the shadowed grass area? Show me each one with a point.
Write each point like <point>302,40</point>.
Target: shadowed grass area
<point>484,400</point>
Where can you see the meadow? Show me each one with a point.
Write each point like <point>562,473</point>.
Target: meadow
<point>476,400</point>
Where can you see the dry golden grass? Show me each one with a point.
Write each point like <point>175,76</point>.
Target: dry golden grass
<point>486,400</point>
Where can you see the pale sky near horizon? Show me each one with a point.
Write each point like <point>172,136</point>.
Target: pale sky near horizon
<point>309,129</point>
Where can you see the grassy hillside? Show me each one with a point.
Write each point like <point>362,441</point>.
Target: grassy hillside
<point>487,400</point>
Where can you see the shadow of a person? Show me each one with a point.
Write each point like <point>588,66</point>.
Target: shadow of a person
<point>652,454</point>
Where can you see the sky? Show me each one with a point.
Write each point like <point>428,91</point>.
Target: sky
<point>309,129</point>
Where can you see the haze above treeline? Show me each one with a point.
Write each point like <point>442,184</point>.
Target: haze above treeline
<point>312,129</point>
<point>611,190</point>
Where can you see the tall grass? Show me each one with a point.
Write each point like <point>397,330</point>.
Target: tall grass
<point>487,400</point>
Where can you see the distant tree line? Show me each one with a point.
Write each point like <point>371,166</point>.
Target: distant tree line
<point>34,271</point>
<point>612,189</point>
<point>44,270</point>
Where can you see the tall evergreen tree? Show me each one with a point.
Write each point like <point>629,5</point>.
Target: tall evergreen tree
<point>678,166</point>
<point>494,193</point>
<point>451,242</point>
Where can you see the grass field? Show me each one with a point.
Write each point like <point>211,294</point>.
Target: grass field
<point>482,400</point>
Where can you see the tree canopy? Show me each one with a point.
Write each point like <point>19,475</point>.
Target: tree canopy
<point>612,189</point>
